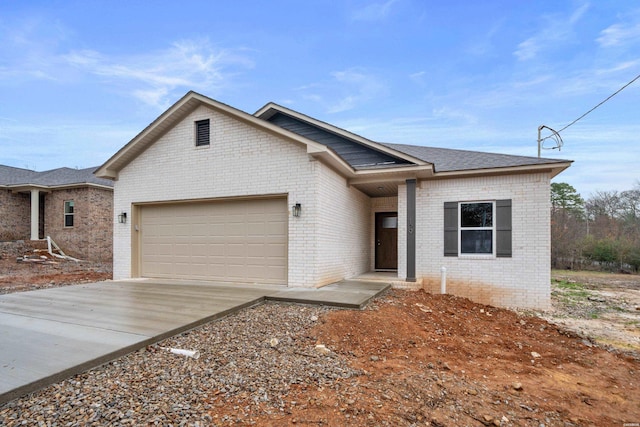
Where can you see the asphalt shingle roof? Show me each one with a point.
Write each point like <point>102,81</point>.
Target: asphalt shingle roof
<point>10,176</point>
<point>448,160</point>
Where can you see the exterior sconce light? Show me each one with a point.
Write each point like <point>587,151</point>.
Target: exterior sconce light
<point>296,209</point>
<point>122,218</point>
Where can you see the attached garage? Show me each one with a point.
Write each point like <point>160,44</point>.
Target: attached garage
<point>242,240</point>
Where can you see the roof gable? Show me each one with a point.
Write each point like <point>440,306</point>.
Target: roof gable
<point>328,133</point>
<point>356,154</point>
<point>181,109</point>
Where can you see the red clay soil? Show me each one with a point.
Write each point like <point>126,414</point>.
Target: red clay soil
<point>440,360</point>
<point>427,359</point>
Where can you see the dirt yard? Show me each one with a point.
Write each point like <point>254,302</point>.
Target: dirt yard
<point>46,272</point>
<point>602,306</point>
<point>441,360</point>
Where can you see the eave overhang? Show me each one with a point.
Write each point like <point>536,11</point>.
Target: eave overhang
<point>21,188</point>
<point>553,168</point>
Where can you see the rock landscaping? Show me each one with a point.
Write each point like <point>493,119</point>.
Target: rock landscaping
<point>407,359</point>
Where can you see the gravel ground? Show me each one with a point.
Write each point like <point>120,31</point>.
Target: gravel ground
<point>255,355</point>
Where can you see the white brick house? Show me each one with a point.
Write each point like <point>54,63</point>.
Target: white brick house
<point>214,193</point>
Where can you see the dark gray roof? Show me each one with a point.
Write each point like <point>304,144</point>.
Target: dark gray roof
<point>448,160</point>
<point>358,156</point>
<point>10,176</point>
<point>361,156</point>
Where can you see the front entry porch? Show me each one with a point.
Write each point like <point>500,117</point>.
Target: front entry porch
<point>390,277</point>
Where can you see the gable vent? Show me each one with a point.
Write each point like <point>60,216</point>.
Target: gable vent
<point>202,132</point>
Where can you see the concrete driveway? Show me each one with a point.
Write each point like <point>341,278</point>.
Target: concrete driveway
<point>49,335</point>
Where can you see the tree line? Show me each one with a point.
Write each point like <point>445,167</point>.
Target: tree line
<point>602,232</point>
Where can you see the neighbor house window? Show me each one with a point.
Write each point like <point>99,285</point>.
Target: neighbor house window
<point>477,228</point>
<point>68,213</point>
<point>202,133</point>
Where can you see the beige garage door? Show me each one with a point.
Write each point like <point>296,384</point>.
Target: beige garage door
<point>234,241</point>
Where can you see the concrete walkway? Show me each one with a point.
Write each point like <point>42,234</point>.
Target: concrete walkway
<point>49,335</point>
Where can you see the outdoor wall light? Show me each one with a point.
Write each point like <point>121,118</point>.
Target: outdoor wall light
<point>122,218</point>
<point>296,209</point>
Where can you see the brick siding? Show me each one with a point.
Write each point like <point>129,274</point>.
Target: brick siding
<point>520,281</point>
<point>333,238</point>
<point>15,214</point>
<point>241,161</point>
<point>343,229</point>
<point>91,237</point>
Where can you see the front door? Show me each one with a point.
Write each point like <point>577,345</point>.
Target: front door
<point>386,241</point>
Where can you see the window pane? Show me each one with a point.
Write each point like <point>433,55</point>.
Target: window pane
<point>476,242</point>
<point>390,222</point>
<point>476,215</point>
<point>68,207</point>
<point>68,220</point>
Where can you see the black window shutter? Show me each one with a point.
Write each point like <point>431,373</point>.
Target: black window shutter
<point>503,228</point>
<point>202,132</point>
<point>451,229</point>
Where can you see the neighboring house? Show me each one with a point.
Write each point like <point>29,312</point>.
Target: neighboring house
<point>72,206</point>
<point>214,193</point>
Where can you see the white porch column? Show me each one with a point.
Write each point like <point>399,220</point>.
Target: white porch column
<point>35,214</point>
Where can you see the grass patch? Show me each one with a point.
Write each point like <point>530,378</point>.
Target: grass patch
<point>565,284</point>
<point>570,292</point>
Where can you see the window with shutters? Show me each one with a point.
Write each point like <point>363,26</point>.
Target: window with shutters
<point>202,133</point>
<point>477,228</point>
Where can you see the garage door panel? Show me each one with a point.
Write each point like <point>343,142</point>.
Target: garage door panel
<point>244,241</point>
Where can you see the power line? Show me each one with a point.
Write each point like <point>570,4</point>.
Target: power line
<point>556,134</point>
<point>608,98</point>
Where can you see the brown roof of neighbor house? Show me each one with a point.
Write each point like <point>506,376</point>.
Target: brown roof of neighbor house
<point>60,177</point>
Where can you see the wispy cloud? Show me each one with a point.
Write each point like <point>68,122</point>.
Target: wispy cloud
<point>351,87</point>
<point>361,87</point>
<point>374,11</point>
<point>483,44</point>
<point>621,34</point>
<point>419,78</point>
<point>29,47</point>
<point>186,64</point>
<point>555,29</point>
<point>454,115</point>
<point>38,49</point>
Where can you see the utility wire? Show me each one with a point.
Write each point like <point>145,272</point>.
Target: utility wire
<point>608,98</point>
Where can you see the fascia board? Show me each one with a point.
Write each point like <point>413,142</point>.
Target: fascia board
<point>391,174</point>
<point>329,157</point>
<point>139,143</point>
<point>554,168</point>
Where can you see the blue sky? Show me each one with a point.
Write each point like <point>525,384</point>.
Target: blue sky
<point>79,79</point>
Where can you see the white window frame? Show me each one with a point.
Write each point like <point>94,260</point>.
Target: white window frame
<point>71,214</point>
<point>492,228</point>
